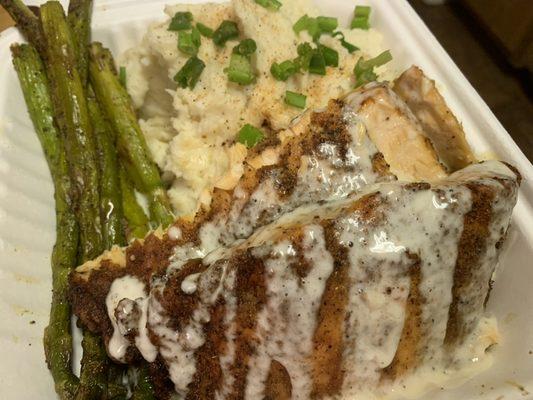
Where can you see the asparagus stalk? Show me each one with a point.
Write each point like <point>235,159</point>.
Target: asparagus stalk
<point>144,390</point>
<point>27,22</point>
<point>57,336</point>
<point>130,141</point>
<point>133,212</point>
<point>72,115</point>
<point>94,367</point>
<point>111,213</point>
<point>79,18</point>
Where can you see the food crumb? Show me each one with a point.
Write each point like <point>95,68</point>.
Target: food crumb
<point>32,322</point>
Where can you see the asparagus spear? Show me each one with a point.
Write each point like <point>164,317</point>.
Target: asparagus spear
<point>27,22</point>
<point>130,141</point>
<point>111,213</point>
<point>94,367</point>
<point>72,115</point>
<point>144,389</point>
<point>73,119</point>
<point>79,18</point>
<point>133,212</point>
<point>57,336</point>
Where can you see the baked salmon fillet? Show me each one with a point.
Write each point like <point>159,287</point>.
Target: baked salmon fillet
<point>333,299</point>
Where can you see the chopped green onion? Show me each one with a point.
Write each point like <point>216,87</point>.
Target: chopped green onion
<point>327,24</point>
<point>305,52</point>
<point>317,63</point>
<point>361,17</point>
<point>301,24</point>
<point>271,4</point>
<point>246,47</point>
<point>348,46</point>
<point>240,70</point>
<point>122,76</point>
<point>364,69</point>
<point>249,135</point>
<point>181,21</point>
<point>304,49</point>
<point>226,31</point>
<point>315,26</point>
<point>205,30</point>
<point>284,70</point>
<point>308,24</point>
<point>189,42</point>
<point>189,74</point>
<point>331,56</point>
<point>295,99</point>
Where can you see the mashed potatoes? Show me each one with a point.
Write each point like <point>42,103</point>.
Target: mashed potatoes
<point>191,133</point>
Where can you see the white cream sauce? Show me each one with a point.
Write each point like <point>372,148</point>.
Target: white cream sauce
<point>127,287</point>
<point>427,223</point>
<point>288,322</point>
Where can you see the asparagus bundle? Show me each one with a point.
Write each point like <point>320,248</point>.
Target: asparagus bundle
<point>96,205</point>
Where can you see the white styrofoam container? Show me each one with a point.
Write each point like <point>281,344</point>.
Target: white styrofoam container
<point>27,209</point>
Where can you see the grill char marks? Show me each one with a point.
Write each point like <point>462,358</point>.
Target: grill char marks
<point>471,249</point>
<point>408,353</point>
<point>278,384</point>
<point>178,306</point>
<point>328,337</point>
<point>251,297</point>
<point>208,377</point>
<point>328,340</point>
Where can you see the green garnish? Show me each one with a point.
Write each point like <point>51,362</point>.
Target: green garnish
<point>246,47</point>
<point>189,74</point>
<point>315,26</point>
<point>348,46</point>
<point>327,24</point>
<point>181,21</point>
<point>189,42</point>
<point>306,23</point>
<point>305,52</point>
<point>226,31</point>
<point>249,135</point>
<point>301,24</point>
<point>361,17</point>
<point>295,99</point>
<point>240,65</point>
<point>122,76</point>
<point>270,4</point>
<point>284,70</point>
<point>317,63</point>
<point>205,30</point>
<point>331,56</point>
<point>240,70</point>
<point>364,69</point>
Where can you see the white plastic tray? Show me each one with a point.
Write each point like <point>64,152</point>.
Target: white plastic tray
<point>27,208</point>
